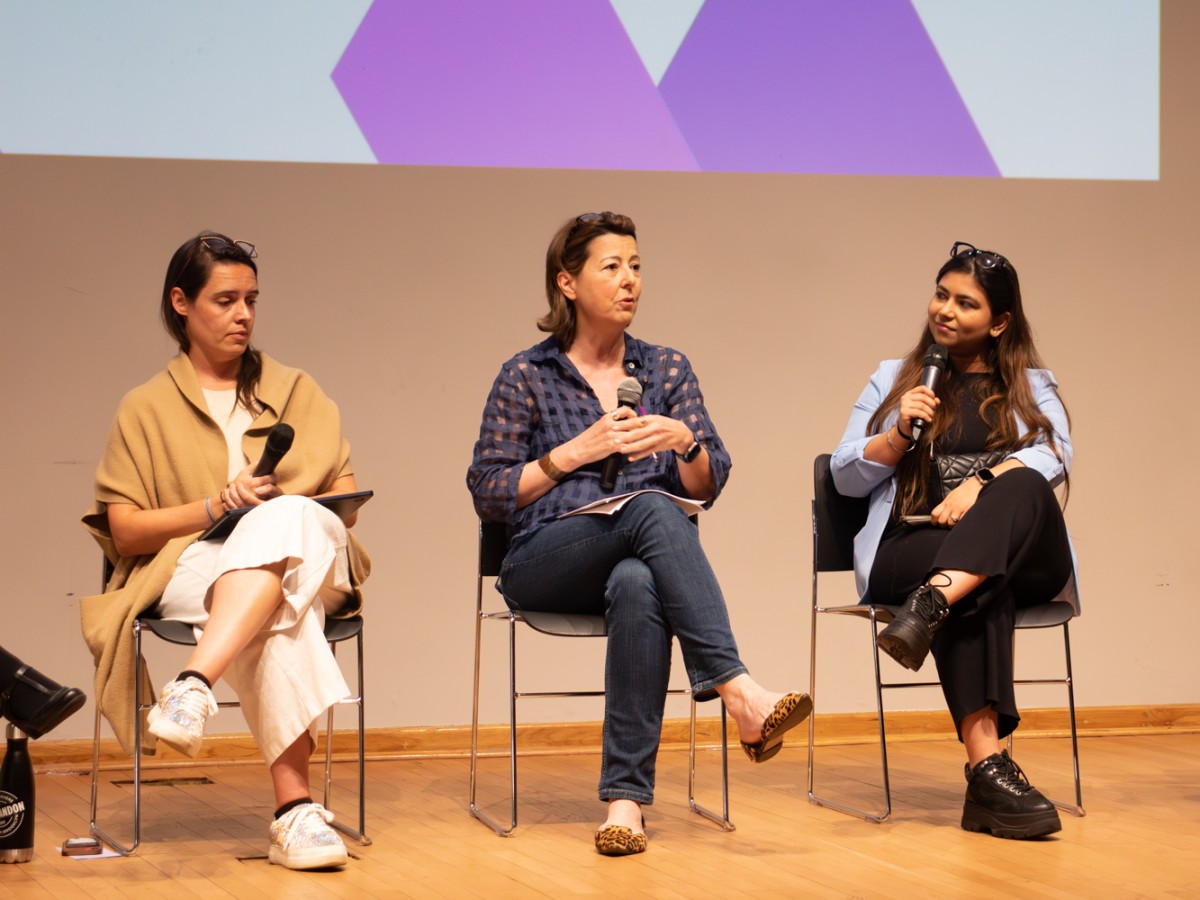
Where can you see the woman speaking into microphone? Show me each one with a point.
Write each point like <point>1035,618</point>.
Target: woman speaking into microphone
<point>565,425</point>
<point>963,525</point>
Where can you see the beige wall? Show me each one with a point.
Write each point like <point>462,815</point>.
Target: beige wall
<point>403,289</point>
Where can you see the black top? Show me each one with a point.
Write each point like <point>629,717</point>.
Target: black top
<point>969,433</point>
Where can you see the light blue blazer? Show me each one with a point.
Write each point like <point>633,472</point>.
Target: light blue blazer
<point>856,476</point>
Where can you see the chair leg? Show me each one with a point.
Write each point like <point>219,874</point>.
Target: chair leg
<point>138,702</point>
<point>812,690</point>
<point>326,802</point>
<point>362,742</point>
<point>1075,809</point>
<point>721,818</point>
<point>475,721</point>
<point>813,797</point>
<point>360,700</point>
<point>472,805</point>
<point>883,757</point>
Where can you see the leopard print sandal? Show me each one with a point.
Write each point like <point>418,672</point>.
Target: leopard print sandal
<point>787,714</point>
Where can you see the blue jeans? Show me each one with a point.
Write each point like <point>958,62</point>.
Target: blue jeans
<point>643,569</point>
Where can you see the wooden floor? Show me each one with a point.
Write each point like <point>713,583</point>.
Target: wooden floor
<point>1140,837</point>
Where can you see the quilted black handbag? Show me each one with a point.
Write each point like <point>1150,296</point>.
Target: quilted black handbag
<point>952,469</point>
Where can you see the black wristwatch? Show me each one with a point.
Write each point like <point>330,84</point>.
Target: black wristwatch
<point>691,453</point>
<point>985,476</point>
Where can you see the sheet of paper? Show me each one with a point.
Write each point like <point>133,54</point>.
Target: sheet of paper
<point>610,505</point>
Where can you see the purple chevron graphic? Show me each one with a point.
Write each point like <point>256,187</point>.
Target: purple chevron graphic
<point>823,86</point>
<point>528,83</point>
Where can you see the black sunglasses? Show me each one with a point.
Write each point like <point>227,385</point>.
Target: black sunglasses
<point>218,243</point>
<point>583,219</point>
<point>985,259</point>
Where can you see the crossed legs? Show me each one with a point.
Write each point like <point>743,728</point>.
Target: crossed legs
<point>243,601</point>
<point>644,569</point>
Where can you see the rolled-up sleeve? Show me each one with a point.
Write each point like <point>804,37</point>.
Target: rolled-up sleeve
<point>503,446</point>
<point>853,474</point>
<point>685,402</point>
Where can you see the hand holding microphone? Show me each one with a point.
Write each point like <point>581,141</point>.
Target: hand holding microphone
<point>629,394</point>
<point>279,442</point>
<point>935,364</point>
<point>240,492</point>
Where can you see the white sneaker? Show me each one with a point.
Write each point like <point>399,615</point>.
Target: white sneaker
<point>302,839</point>
<point>179,715</point>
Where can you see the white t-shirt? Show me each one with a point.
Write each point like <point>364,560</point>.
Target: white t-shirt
<point>234,419</point>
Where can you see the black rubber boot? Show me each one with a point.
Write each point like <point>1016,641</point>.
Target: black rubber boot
<point>1000,800</point>
<point>36,704</point>
<point>907,638</point>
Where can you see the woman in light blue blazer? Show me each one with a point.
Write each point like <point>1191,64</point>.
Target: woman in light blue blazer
<point>964,526</point>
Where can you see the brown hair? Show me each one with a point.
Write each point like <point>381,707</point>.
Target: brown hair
<point>189,270</point>
<point>1006,398</point>
<point>568,251</point>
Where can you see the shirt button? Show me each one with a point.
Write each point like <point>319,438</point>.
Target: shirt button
<point>629,366</point>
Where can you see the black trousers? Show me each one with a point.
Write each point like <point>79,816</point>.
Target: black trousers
<point>1015,536</point>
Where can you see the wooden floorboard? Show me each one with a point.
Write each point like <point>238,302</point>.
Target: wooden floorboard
<point>1140,837</point>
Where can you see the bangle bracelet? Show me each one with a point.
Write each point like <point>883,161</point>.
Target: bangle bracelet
<point>887,436</point>
<point>553,472</point>
<point>208,510</point>
<point>907,437</point>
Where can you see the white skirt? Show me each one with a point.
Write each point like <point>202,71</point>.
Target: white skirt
<point>287,676</point>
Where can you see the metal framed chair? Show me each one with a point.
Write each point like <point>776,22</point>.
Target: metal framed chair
<point>336,631</point>
<point>835,521</point>
<point>493,544</point>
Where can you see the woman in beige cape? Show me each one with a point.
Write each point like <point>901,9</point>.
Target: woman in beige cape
<point>181,455</point>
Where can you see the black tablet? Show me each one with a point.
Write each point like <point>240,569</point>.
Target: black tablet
<point>345,505</point>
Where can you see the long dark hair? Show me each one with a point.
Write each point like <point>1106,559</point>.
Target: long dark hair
<point>1006,397</point>
<point>189,270</point>
<point>568,251</point>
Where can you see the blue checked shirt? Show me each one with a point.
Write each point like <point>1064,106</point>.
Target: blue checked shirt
<point>539,401</point>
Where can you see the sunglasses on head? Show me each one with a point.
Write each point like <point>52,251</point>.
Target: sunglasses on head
<point>584,219</point>
<point>985,259</point>
<point>218,243</point>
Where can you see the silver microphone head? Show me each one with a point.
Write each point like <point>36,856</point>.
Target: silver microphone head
<point>629,393</point>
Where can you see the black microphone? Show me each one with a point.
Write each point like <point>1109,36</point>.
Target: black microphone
<point>935,365</point>
<point>629,393</point>
<point>279,442</point>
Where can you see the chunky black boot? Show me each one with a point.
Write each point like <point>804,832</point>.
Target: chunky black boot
<point>1001,800</point>
<point>35,704</point>
<point>907,638</point>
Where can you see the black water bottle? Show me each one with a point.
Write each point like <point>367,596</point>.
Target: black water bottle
<point>16,799</point>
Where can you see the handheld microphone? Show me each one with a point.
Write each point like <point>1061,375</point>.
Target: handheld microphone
<point>279,441</point>
<point>629,393</point>
<point>935,365</point>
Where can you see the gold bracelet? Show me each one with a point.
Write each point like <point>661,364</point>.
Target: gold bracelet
<point>553,472</point>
